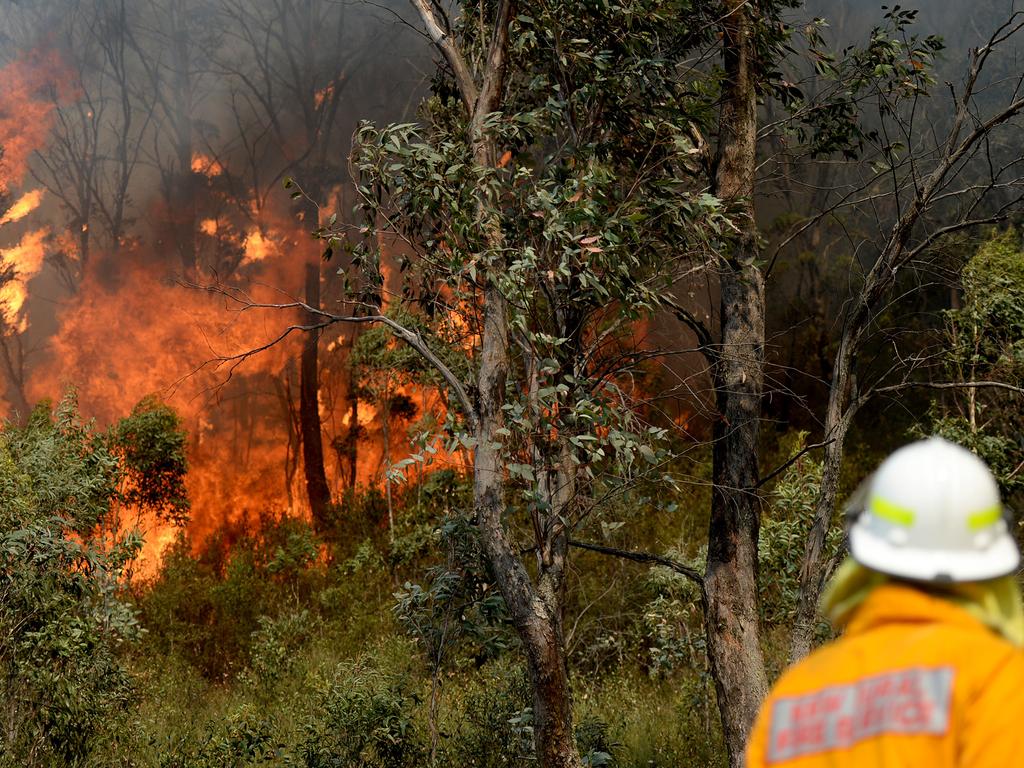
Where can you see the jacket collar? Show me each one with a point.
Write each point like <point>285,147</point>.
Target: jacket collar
<point>900,603</point>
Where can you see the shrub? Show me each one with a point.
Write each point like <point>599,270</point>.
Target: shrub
<point>62,619</point>
<point>364,720</point>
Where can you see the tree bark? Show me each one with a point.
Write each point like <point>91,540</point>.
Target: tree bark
<point>812,574</point>
<point>351,444</point>
<point>317,489</point>
<point>731,617</point>
<point>536,612</point>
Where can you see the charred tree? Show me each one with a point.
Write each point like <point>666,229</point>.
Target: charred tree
<point>288,82</point>
<point>310,426</point>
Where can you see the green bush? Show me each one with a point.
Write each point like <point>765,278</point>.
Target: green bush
<point>364,719</point>
<point>63,622</point>
<point>784,529</point>
<point>492,726</point>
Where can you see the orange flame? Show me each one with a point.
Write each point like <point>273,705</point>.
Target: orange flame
<point>324,94</point>
<point>206,165</point>
<point>25,205</point>
<point>26,111</point>
<point>257,247</point>
<point>23,261</point>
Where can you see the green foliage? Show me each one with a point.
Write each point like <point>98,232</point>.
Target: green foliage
<point>784,529</point>
<point>496,728</point>
<point>593,737</point>
<point>353,517</point>
<point>593,189</point>
<point>461,605</point>
<point>365,721</point>
<point>894,68</point>
<point>247,739</point>
<point>275,645</point>
<point>150,444</point>
<point>984,341</point>
<point>212,607</point>
<point>62,622</point>
<point>383,362</point>
<point>672,623</point>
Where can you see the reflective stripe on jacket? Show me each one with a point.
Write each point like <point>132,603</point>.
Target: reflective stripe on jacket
<point>914,681</point>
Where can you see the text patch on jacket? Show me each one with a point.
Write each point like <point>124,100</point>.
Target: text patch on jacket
<point>906,701</point>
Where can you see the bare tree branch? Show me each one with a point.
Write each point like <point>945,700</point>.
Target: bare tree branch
<point>645,557</point>
<point>792,460</point>
<point>939,385</point>
<point>410,337</point>
<point>444,43</point>
<point>707,343</point>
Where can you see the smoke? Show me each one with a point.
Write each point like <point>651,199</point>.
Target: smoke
<point>144,149</point>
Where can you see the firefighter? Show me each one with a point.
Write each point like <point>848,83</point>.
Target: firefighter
<point>929,670</point>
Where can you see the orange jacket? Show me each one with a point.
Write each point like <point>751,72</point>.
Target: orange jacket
<point>915,681</point>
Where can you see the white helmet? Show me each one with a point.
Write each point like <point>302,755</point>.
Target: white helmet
<point>932,513</point>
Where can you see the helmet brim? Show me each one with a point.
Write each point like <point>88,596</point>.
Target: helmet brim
<point>1001,558</point>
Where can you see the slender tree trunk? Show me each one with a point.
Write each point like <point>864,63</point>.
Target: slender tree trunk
<point>309,404</point>
<point>535,612</point>
<point>351,447</point>
<point>385,423</point>
<point>812,573</point>
<point>535,609</point>
<point>731,616</point>
<point>838,414</point>
<point>13,349</point>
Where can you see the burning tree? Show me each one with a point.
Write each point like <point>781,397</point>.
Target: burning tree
<point>28,94</point>
<point>291,64</point>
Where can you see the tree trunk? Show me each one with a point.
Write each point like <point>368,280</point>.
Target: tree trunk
<point>351,445</point>
<point>536,620</point>
<point>812,571</point>
<point>309,404</point>
<point>552,700</point>
<point>535,610</point>
<point>837,421</point>
<point>731,615</point>
<point>385,424</point>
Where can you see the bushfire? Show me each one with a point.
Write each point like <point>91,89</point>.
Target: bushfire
<point>124,249</point>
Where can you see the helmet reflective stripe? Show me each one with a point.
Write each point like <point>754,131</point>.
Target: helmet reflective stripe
<point>985,518</point>
<point>933,514</point>
<point>893,513</point>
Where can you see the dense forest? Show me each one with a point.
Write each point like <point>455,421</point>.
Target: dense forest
<point>477,383</point>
